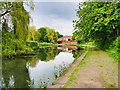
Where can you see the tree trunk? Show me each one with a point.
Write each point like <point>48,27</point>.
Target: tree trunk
<point>117,32</point>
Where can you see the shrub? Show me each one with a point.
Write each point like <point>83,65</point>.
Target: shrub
<point>114,47</point>
<point>32,44</point>
<point>90,43</point>
<point>45,44</point>
<point>12,46</point>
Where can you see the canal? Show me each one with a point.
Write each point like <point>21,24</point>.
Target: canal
<point>38,69</point>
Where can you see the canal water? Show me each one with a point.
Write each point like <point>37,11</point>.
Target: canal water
<point>38,69</point>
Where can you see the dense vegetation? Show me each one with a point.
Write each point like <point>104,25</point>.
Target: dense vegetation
<point>14,20</point>
<point>99,22</point>
<point>59,35</point>
<point>17,36</point>
<point>48,35</point>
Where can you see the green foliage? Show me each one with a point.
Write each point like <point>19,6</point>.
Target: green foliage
<point>43,83</point>
<point>5,27</point>
<point>12,46</point>
<point>20,20</point>
<point>90,43</point>
<point>51,35</point>
<point>15,13</point>
<point>59,35</point>
<point>30,84</point>
<point>77,36</point>
<point>111,85</point>
<point>14,35</point>
<point>42,31</point>
<point>98,21</point>
<point>113,49</point>
<point>45,44</point>
<point>48,35</point>
<point>60,69</point>
<point>32,44</point>
<point>33,35</point>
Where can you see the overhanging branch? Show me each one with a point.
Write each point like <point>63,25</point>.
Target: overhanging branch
<point>4,13</point>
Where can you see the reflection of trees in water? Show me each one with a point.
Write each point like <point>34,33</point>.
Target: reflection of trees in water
<point>33,61</point>
<point>77,52</point>
<point>44,54</point>
<point>15,73</point>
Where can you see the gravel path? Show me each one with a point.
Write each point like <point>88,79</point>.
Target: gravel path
<point>97,71</point>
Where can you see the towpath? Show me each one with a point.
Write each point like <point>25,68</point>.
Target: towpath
<point>96,70</point>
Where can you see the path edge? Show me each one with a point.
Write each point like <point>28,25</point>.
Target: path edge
<point>64,77</point>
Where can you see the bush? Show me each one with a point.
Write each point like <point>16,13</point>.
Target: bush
<point>45,44</point>
<point>114,48</point>
<point>90,43</point>
<point>32,44</point>
<point>12,46</point>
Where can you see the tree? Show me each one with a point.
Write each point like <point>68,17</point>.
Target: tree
<point>14,20</point>
<point>42,31</point>
<point>20,20</point>
<point>51,35</point>
<point>59,35</point>
<point>33,35</point>
<point>77,36</point>
<point>17,15</point>
<point>99,21</point>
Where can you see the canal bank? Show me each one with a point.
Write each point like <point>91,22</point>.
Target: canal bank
<point>96,70</point>
<point>60,81</point>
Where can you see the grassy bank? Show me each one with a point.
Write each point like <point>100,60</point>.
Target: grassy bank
<point>19,47</point>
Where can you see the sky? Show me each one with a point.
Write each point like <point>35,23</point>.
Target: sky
<point>55,15</point>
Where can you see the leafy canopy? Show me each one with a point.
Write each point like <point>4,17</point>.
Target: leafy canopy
<point>99,21</point>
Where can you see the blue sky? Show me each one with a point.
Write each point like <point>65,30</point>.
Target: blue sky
<point>56,15</point>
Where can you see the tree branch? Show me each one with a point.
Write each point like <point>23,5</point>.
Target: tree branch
<point>4,13</point>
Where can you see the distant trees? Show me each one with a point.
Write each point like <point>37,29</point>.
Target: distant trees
<point>59,35</point>
<point>43,32</point>
<point>33,35</point>
<point>51,35</point>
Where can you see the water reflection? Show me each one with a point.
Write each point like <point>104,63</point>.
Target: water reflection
<point>67,48</point>
<point>17,71</point>
<point>44,54</point>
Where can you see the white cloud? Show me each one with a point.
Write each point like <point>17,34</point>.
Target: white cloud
<point>61,25</point>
